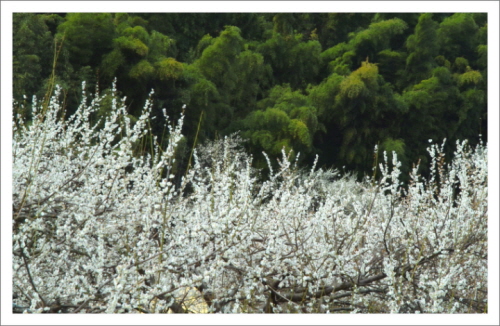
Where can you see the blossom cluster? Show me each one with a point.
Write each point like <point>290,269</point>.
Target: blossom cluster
<point>98,228</point>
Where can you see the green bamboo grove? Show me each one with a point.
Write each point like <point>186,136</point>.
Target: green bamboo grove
<point>329,84</point>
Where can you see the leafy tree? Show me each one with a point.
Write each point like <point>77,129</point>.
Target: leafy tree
<point>362,110</point>
<point>338,59</point>
<point>33,51</point>
<point>253,79</point>
<point>224,82</point>
<point>201,96</point>
<point>323,97</point>
<point>293,59</point>
<point>141,60</point>
<point>337,27</point>
<point>372,42</point>
<point>481,64</point>
<point>188,28</point>
<point>377,37</point>
<point>284,24</point>
<point>410,18</point>
<point>88,36</point>
<point>473,110</point>
<point>213,73</point>
<point>219,58</point>
<point>392,66</point>
<point>169,69</point>
<point>457,36</point>
<point>435,112</point>
<point>423,47</point>
<point>285,120</point>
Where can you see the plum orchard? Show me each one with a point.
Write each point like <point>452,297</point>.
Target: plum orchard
<point>99,229</point>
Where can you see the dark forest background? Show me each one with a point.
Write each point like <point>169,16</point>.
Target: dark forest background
<point>332,84</point>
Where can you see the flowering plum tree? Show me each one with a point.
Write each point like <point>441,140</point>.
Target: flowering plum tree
<point>99,229</point>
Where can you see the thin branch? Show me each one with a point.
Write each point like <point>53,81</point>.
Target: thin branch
<point>31,279</point>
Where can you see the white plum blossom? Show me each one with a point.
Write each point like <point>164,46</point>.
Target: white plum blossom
<point>99,229</point>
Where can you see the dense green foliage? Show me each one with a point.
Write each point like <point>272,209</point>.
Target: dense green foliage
<point>331,84</point>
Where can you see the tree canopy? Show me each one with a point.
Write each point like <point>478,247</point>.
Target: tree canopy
<point>334,84</point>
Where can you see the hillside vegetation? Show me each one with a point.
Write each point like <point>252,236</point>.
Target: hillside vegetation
<point>333,84</point>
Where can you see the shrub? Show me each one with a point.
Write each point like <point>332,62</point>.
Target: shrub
<point>98,229</point>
